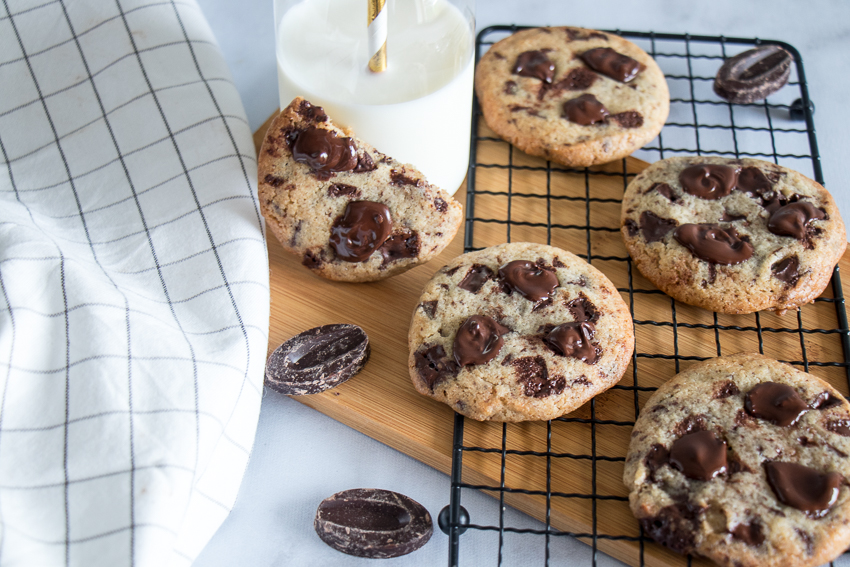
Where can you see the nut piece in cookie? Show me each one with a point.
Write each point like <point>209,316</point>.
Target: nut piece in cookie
<point>518,332</point>
<point>732,235</point>
<point>746,461</point>
<point>574,96</point>
<point>348,211</point>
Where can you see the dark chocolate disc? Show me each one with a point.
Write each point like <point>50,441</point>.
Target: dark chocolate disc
<point>779,404</point>
<point>373,523</point>
<point>317,360</point>
<point>753,74</point>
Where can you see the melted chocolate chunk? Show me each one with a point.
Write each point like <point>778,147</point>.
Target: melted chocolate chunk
<point>656,457</point>
<point>802,487</point>
<point>400,246</point>
<point>690,424</point>
<point>533,375</point>
<point>840,426</point>
<point>825,400</point>
<point>699,455</point>
<point>433,366</point>
<point>608,62</point>
<point>510,87</point>
<point>475,278</point>
<point>323,152</point>
<point>582,309</point>
<point>373,523</point>
<point>773,201</point>
<point>478,340</point>
<point>779,404</point>
<point>713,243</point>
<point>731,217</point>
<point>725,390</point>
<point>787,270</point>
<point>535,64</point>
<point>585,110</point>
<point>674,526</point>
<point>751,534</point>
<point>753,182</point>
<point>429,307</point>
<point>362,229</point>
<point>665,190</point>
<point>441,205</point>
<point>709,182</point>
<point>341,189</point>
<point>529,280</point>
<point>579,79</point>
<point>400,178</point>
<point>655,228</point>
<point>807,540</point>
<point>573,340</point>
<point>632,227</point>
<point>793,219</point>
<point>628,119</point>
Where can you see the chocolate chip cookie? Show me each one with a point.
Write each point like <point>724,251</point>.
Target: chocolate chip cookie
<point>732,235</point>
<point>575,96</point>
<point>518,332</point>
<point>744,460</point>
<point>348,211</point>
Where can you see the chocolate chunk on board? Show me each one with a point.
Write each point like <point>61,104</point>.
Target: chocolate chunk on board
<point>317,359</point>
<point>753,74</point>
<point>373,523</point>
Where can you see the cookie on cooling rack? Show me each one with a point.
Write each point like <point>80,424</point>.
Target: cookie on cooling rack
<point>732,235</point>
<point>744,460</point>
<point>518,332</point>
<point>350,212</point>
<point>576,96</point>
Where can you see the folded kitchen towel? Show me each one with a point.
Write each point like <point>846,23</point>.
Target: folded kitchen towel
<point>134,296</point>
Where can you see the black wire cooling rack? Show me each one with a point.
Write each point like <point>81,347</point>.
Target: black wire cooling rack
<point>699,123</point>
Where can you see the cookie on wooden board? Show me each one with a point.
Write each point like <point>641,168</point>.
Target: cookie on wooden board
<point>518,332</point>
<point>732,235</point>
<point>575,96</point>
<point>350,212</point>
<point>744,460</point>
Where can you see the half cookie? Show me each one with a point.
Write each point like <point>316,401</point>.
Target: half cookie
<point>576,96</point>
<point>350,212</point>
<point>518,332</point>
<point>744,460</point>
<point>732,235</point>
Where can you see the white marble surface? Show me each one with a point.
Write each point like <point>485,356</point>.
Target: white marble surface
<point>301,456</point>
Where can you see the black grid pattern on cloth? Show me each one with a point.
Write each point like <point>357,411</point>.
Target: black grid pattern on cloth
<point>699,123</point>
<point>127,190</point>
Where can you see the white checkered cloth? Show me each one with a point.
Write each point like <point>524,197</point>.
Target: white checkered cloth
<point>134,296</point>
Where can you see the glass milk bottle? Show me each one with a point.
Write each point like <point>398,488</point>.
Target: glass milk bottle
<point>419,109</point>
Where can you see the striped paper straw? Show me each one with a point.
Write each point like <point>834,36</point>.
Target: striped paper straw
<point>377,36</point>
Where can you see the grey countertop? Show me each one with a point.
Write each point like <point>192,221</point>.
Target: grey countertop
<point>301,456</point>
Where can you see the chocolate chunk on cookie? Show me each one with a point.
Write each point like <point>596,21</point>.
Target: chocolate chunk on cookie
<point>518,332</point>
<point>733,236</point>
<point>575,96</point>
<point>767,489</point>
<point>348,211</point>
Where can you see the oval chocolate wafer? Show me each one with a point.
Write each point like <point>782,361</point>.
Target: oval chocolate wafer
<point>753,74</point>
<point>317,359</point>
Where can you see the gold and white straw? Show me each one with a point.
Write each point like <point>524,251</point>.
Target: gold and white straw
<point>377,35</point>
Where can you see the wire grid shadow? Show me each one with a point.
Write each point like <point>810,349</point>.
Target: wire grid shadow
<point>568,472</point>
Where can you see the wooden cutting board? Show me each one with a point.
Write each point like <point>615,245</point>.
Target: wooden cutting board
<point>381,402</point>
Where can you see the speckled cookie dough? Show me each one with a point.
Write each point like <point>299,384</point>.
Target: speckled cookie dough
<point>744,460</point>
<point>732,235</point>
<point>576,96</point>
<point>518,332</point>
<point>348,211</point>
